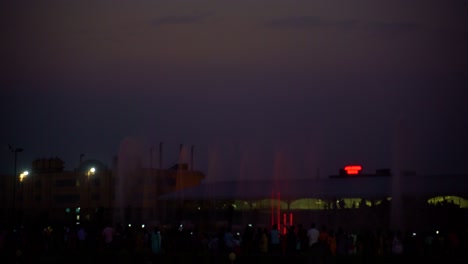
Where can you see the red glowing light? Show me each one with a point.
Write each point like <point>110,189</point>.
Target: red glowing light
<point>353,169</point>
<point>285,223</point>
<point>279,211</point>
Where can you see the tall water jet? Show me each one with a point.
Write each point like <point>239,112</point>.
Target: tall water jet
<point>192,150</point>
<point>128,167</point>
<point>401,155</point>
<point>160,155</point>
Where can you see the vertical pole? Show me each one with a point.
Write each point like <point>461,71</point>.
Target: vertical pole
<point>272,202</point>
<point>164,202</point>
<point>14,186</point>
<point>181,146</point>
<point>32,191</point>
<point>160,155</point>
<point>110,190</point>
<point>89,199</point>
<point>191,158</point>
<point>181,179</point>
<point>151,158</point>
<point>279,213</point>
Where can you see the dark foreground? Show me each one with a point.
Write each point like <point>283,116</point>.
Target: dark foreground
<point>143,256</point>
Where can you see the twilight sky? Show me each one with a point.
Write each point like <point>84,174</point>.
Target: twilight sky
<point>262,88</point>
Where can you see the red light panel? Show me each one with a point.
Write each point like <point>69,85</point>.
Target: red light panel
<point>353,169</point>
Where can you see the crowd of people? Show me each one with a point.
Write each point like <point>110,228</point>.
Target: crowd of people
<point>155,244</point>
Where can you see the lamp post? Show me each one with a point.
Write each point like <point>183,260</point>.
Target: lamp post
<point>89,173</point>
<point>15,151</point>
<point>22,177</point>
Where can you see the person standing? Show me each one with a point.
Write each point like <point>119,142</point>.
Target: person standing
<point>313,235</point>
<point>82,238</point>
<point>108,234</point>
<point>275,239</point>
<point>156,243</point>
<point>314,249</point>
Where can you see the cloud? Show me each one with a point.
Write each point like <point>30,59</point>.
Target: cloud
<point>311,22</point>
<point>305,22</point>
<point>396,27</point>
<point>178,20</point>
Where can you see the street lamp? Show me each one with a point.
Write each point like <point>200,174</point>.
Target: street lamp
<point>16,151</point>
<point>90,173</point>
<point>22,176</point>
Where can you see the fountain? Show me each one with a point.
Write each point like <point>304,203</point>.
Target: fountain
<point>400,164</point>
<point>129,164</point>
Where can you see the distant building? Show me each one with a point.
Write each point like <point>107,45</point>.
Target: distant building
<point>91,193</point>
<point>350,200</point>
<point>130,194</point>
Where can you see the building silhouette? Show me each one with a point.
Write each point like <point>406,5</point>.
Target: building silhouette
<point>92,193</point>
<point>132,194</point>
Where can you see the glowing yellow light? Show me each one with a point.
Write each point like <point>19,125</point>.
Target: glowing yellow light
<point>23,175</point>
<point>91,171</point>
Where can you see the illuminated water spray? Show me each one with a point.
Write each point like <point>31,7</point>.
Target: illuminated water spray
<point>281,171</point>
<point>276,213</point>
<point>129,163</point>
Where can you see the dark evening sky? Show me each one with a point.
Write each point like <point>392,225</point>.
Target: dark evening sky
<point>261,88</point>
